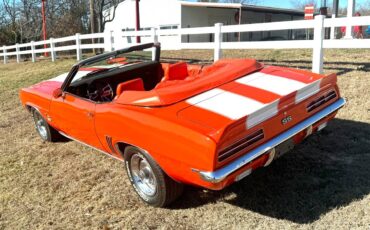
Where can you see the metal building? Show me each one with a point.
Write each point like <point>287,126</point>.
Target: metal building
<point>173,14</point>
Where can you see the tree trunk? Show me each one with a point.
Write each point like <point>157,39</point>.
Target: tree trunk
<point>92,21</point>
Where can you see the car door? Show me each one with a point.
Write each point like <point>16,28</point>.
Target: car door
<point>75,116</point>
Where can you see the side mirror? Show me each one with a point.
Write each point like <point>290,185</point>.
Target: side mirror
<point>57,93</point>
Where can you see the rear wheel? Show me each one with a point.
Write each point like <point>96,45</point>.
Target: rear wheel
<point>46,132</point>
<point>148,179</point>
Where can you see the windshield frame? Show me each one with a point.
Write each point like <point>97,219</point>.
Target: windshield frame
<point>72,73</point>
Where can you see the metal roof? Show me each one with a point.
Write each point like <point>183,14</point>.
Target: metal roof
<point>242,6</point>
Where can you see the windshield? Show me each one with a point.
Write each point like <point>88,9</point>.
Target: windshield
<point>112,61</point>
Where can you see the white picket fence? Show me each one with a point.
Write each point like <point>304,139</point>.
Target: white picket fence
<point>118,39</point>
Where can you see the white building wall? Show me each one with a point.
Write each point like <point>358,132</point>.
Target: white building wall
<point>202,17</point>
<point>155,14</point>
<point>172,14</point>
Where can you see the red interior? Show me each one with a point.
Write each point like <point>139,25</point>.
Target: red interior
<point>134,84</point>
<point>181,81</point>
<point>177,71</point>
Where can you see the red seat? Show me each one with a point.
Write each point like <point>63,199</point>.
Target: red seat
<point>177,71</point>
<point>133,85</point>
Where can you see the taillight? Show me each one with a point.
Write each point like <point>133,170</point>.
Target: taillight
<point>240,145</point>
<point>320,101</point>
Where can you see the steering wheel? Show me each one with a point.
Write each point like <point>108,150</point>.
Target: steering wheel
<point>100,91</point>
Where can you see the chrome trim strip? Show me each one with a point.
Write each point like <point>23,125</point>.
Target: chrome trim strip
<point>99,150</point>
<point>221,174</point>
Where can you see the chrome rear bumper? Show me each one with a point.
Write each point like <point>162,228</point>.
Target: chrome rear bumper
<point>220,174</point>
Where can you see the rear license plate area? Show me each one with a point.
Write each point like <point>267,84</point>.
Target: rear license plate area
<point>283,148</point>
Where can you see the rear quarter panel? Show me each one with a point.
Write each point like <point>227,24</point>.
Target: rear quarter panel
<point>175,147</point>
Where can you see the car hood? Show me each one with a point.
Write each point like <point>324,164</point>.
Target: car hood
<point>46,87</point>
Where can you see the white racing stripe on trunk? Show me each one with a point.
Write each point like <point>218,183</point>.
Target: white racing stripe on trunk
<point>226,103</point>
<point>204,96</point>
<point>278,85</point>
<point>235,106</point>
<point>262,114</point>
<point>307,91</point>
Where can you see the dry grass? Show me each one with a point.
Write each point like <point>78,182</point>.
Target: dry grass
<point>323,183</point>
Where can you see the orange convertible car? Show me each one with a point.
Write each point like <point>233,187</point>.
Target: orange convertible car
<point>177,123</point>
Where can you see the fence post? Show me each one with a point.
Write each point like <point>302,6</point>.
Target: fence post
<point>52,50</point>
<point>33,54</point>
<point>350,11</point>
<point>108,41</point>
<point>154,35</point>
<point>179,37</point>
<point>78,47</point>
<point>318,37</point>
<point>118,40</point>
<point>17,53</point>
<point>218,40</point>
<point>155,40</point>
<point>4,52</point>
<point>332,29</point>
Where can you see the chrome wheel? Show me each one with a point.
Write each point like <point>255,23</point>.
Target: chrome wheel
<point>46,132</point>
<point>143,177</point>
<point>41,125</point>
<point>150,182</point>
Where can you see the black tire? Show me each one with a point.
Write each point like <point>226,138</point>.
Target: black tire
<point>45,131</point>
<point>166,189</point>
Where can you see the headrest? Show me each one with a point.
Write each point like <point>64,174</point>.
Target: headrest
<point>177,71</point>
<point>133,85</point>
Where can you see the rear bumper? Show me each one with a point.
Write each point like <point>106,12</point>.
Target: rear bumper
<point>221,174</point>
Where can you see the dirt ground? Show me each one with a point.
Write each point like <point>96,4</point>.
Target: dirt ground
<point>322,184</point>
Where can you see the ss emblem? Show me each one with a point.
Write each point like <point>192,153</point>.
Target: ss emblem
<point>286,120</point>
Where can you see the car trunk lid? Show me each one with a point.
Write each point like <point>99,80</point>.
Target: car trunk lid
<point>240,105</point>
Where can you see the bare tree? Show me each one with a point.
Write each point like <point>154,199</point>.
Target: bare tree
<point>105,11</point>
<point>92,21</point>
<point>364,8</point>
<point>92,16</point>
<point>101,12</point>
<point>300,4</point>
<point>20,20</point>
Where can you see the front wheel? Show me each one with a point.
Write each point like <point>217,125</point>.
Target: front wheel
<point>46,132</point>
<point>148,179</point>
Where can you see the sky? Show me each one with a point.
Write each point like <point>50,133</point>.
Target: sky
<point>287,3</point>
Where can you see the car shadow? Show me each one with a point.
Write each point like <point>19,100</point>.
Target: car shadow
<point>328,170</point>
